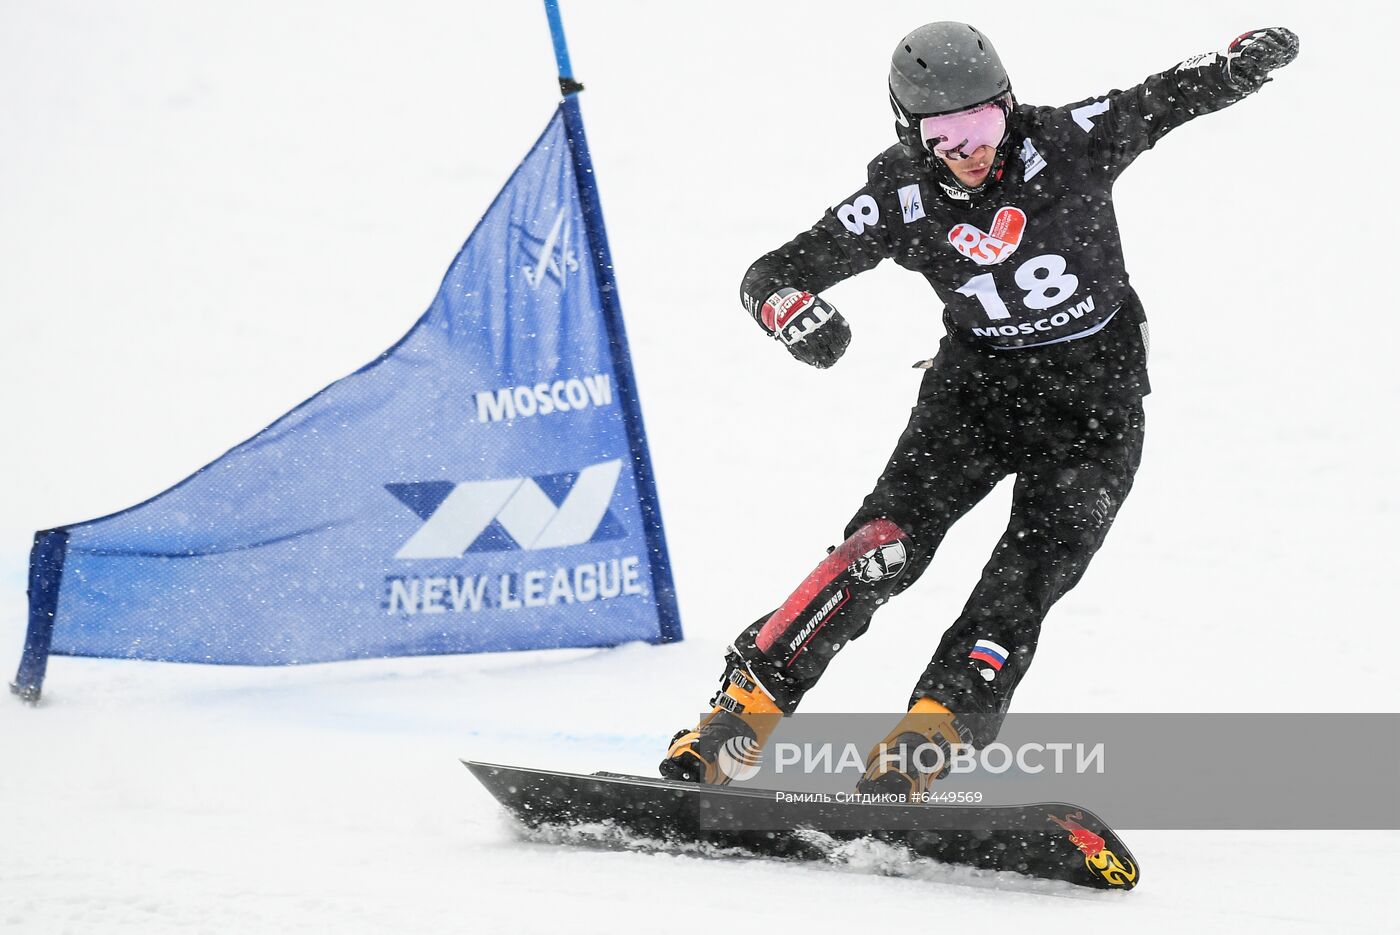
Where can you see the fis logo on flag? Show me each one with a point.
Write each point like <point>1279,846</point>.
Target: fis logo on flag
<point>551,258</point>
<point>991,655</point>
<point>544,512</point>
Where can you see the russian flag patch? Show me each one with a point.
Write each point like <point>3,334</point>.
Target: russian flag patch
<point>993,654</point>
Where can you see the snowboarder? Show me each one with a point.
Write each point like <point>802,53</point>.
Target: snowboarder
<point>1007,211</point>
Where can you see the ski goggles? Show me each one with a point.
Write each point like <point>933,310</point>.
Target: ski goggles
<point>958,135</point>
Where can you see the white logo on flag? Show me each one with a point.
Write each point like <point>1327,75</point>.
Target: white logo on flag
<point>547,263</point>
<point>911,203</point>
<point>522,509</point>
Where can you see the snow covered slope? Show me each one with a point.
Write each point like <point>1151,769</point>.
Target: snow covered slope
<point>212,211</point>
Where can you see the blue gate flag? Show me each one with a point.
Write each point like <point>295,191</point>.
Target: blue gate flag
<point>483,485</point>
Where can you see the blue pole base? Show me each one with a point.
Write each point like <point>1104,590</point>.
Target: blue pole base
<point>45,575</point>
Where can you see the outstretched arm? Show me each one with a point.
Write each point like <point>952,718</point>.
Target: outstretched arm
<point>1124,124</point>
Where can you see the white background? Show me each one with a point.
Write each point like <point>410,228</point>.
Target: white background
<point>209,213</point>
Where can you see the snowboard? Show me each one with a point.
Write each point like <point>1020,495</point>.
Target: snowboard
<point>1048,840</point>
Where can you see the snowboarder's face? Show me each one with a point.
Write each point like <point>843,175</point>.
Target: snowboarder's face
<point>973,170</point>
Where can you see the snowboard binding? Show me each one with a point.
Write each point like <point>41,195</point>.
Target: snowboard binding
<point>728,742</point>
<point>915,754</point>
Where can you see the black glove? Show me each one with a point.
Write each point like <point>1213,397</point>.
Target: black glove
<point>811,330</point>
<point>1250,58</point>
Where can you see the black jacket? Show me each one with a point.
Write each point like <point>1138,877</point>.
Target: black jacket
<point>1030,265</point>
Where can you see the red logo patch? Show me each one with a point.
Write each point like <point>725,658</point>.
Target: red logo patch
<point>990,249</point>
<point>783,306</point>
<point>1089,843</point>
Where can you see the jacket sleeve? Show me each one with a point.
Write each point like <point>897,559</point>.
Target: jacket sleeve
<point>1122,125</point>
<point>849,239</point>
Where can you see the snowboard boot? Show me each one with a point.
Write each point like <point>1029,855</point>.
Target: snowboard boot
<point>728,742</point>
<point>907,761</point>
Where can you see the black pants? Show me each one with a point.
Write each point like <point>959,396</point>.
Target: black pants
<point>1074,452</point>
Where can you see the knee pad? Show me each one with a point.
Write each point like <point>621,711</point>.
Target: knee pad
<point>834,603</point>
